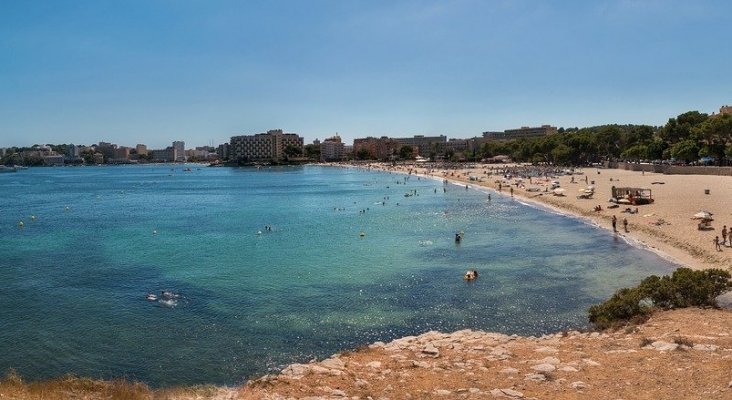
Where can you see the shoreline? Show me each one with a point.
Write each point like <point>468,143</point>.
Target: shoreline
<point>673,236</point>
<point>500,362</point>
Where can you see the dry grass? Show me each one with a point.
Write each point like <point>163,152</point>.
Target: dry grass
<point>66,387</point>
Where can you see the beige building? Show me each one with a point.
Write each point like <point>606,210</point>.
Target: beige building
<point>725,110</point>
<point>268,146</point>
<point>424,145</point>
<point>331,149</point>
<point>383,148</point>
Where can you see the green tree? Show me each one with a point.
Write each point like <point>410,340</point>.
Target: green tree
<point>686,150</point>
<point>312,151</point>
<point>562,154</point>
<point>406,153</point>
<point>363,154</point>
<point>637,152</point>
<point>292,151</point>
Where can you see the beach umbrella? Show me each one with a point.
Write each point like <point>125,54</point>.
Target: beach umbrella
<point>703,215</point>
<point>558,191</point>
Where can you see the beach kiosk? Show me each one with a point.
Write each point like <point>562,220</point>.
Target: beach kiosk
<point>632,195</point>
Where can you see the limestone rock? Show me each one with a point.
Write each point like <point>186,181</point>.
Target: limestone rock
<point>544,367</point>
<point>535,377</point>
<point>333,363</point>
<point>578,385</point>
<point>664,346</point>
<point>509,370</point>
<point>590,362</point>
<point>431,350</point>
<point>549,360</point>
<point>706,347</point>
<point>510,393</point>
<point>546,349</point>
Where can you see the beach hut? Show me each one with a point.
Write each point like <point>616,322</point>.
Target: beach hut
<point>632,195</point>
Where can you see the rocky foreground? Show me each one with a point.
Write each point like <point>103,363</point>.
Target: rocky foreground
<point>682,354</point>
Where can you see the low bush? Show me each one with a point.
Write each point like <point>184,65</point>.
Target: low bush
<point>684,288</point>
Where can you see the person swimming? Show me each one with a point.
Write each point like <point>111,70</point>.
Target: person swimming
<point>470,275</point>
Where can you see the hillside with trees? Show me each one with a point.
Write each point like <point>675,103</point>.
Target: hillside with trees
<point>687,138</point>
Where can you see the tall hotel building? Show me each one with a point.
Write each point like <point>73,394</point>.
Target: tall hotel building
<point>268,146</point>
<point>179,151</point>
<point>331,149</point>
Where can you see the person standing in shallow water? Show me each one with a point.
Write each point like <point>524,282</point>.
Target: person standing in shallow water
<point>615,222</point>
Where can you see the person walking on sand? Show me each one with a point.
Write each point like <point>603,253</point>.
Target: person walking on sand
<point>716,244</point>
<point>615,222</point>
<point>625,225</point>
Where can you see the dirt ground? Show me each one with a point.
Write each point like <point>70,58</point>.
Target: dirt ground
<point>682,354</point>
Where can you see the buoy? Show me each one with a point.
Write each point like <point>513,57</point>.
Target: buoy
<point>259,232</point>
<point>21,224</point>
<point>155,232</point>
<point>33,217</point>
<point>362,234</point>
<point>67,208</point>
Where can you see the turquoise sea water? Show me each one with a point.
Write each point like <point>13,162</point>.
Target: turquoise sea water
<point>73,281</point>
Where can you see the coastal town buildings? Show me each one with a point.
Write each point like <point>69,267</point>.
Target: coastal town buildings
<point>107,149</point>
<point>331,149</point>
<point>163,155</point>
<point>524,132</point>
<point>141,149</point>
<point>383,148</point>
<point>179,151</point>
<point>223,151</point>
<point>424,145</point>
<point>201,153</point>
<point>54,159</point>
<point>725,109</point>
<point>121,155</point>
<point>270,146</point>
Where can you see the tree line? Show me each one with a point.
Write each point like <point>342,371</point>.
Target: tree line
<point>687,138</point>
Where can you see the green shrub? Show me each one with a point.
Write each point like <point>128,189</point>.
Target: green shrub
<point>684,288</point>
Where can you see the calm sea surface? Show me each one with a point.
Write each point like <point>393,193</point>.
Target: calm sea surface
<point>73,281</point>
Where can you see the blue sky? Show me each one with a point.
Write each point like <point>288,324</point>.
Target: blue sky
<point>154,71</point>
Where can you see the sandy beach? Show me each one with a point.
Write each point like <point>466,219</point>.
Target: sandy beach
<point>665,226</point>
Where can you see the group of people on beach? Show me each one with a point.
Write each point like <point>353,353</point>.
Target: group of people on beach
<point>719,243</point>
<point>614,222</point>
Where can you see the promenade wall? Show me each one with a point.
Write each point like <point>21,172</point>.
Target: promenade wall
<point>671,169</point>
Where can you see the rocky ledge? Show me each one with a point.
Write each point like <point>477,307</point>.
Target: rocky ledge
<point>681,354</point>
